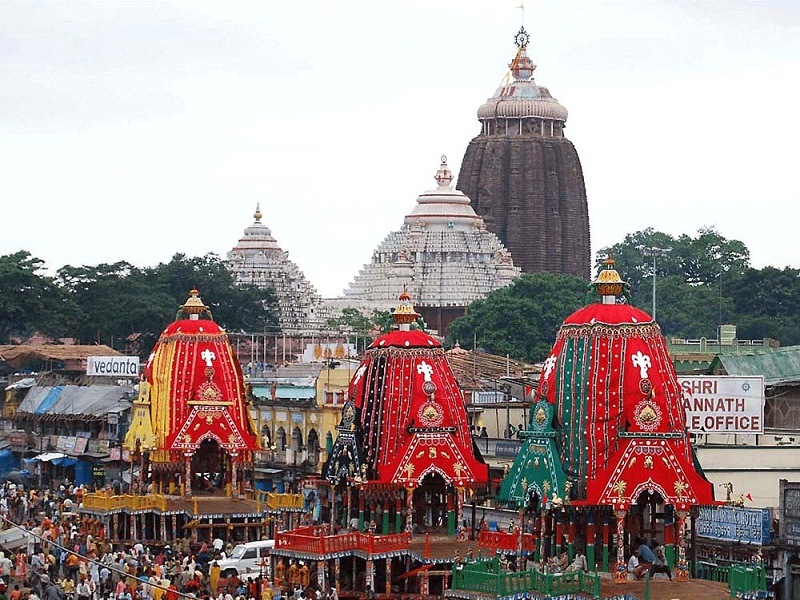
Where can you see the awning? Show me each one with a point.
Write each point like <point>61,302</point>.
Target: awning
<point>413,572</point>
<point>48,456</point>
<point>268,471</point>
<point>65,461</point>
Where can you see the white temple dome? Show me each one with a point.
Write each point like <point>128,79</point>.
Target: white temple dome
<point>443,255</point>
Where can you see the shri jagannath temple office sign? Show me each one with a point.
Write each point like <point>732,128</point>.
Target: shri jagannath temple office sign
<point>723,404</point>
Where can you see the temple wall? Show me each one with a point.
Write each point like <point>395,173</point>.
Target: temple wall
<point>530,189</point>
<point>752,469</point>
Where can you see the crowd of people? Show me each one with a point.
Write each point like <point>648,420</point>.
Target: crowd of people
<point>65,555</point>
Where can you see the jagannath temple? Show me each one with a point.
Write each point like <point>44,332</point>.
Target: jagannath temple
<point>524,176</point>
<point>443,255</point>
<point>606,454</point>
<point>257,259</point>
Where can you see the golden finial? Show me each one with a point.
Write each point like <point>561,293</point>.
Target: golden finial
<point>257,215</point>
<point>405,314</point>
<point>194,305</point>
<point>608,282</point>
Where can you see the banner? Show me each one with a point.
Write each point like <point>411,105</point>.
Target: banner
<point>112,366</point>
<point>723,404</point>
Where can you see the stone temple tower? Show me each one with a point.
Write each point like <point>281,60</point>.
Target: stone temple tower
<point>525,178</point>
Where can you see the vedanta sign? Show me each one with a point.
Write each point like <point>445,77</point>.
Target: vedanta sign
<point>723,404</point>
<point>113,366</point>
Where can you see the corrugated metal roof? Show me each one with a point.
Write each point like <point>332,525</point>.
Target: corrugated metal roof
<point>777,366</point>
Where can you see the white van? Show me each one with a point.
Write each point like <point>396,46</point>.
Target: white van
<point>247,558</point>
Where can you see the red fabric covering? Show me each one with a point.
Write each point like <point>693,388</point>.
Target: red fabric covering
<point>405,339</point>
<point>194,362</point>
<point>609,372</point>
<point>412,413</point>
<point>611,314</point>
<point>653,465</point>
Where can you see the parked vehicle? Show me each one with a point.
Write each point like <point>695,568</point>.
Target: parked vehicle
<point>251,557</point>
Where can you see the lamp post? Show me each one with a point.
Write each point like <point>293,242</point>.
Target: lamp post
<point>654,252</point>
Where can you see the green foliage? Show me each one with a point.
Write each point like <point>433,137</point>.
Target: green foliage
<point>235,307</point>
<point>118,300</point>
<point>115,301</point>
<point>694,278</point>
<point>31,301</point>
<point>353,322</point>
<point>767,302</point>
<point>520,320</point>
<point>688,311</point>
<point>699,260</point>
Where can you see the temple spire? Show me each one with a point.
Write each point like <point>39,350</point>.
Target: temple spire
<point>444,176</point>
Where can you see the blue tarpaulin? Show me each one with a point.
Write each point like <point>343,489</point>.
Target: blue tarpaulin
<point>64,462</point>
<point>50,400</point>
<point>8,461</point>
<point>83,473</point>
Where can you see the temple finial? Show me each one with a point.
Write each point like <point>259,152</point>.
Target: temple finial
<point>443,176</point>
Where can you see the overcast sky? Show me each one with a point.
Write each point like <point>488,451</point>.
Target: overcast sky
<point>135,130</point>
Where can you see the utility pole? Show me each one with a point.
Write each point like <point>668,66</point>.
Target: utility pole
<point>654,252</point>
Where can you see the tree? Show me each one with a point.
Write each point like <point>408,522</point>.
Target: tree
<point>709,260</point>
<point>235,307</point>
<point>115,300</point>
<point>689,311</point>
<point>31,301</point>
<point>634,266</point>
<point>364,327</point>
<point>118,300</point>
<point>709,256</point>
<point>522,319</point>
<point>765,304</point>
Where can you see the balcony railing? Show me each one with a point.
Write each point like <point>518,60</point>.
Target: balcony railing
<point>486,576</point>
<point>103,501</point>
<point>316,540</point>
<point>273,501</point>
<point>506,542</point>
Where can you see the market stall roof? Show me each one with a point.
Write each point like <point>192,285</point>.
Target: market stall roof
<point>15,355</point>
<point>477,370</point>
<point>75,400</point>
<point>48,456</point>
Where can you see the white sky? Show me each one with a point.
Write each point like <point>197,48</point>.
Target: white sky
<point>134,130</point>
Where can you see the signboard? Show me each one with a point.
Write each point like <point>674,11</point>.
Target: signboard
<point>723,404</point>
<point>112,366</point>
<point>733,524</point>
<point>18,439</point>
<point>790,509</point>
<point>507,448</point>
<point>80,445</point>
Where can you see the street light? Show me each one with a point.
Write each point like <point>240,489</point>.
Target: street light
<point>654,252</point>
